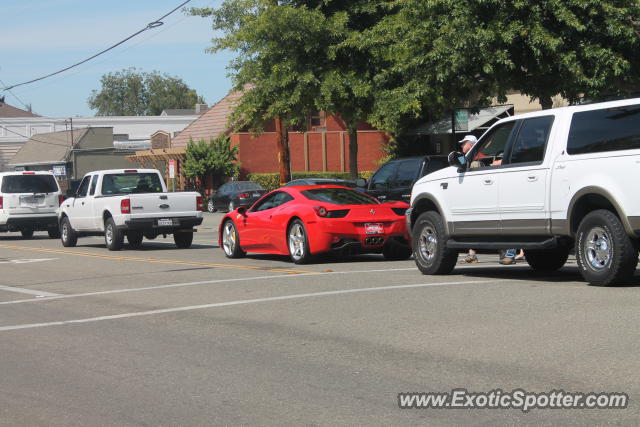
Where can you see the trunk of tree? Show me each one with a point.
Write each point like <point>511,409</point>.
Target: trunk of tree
<point>546,102</point>
<point>353,150</point>
<point>282,139</point>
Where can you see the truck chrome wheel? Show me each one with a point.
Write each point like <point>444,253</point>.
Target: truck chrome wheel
<point>428,243</point>
<point>108,234</point>
<point>229,239</point>
<point>598,249</point>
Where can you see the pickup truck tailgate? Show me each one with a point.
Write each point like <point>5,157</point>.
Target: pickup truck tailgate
<point>159,205</point>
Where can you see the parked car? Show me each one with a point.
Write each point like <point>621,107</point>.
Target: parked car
<point>132,203</point>
<point>321,181</point>
<point>29,202</point>
<point>235,194</point>
<point>545,181</point>
<point>302,221</point>
<point>394,179</point>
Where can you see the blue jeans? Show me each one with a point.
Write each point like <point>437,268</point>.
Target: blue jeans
<point>510,253</point>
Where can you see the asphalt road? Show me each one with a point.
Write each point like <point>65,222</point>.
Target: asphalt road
<point>161,336</point>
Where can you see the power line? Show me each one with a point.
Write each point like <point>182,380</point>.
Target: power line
<point>149,26</point>
<point>28,107</point>
<point>32,138</point>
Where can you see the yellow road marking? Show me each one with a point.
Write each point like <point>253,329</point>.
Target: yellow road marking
<point>155,260</point>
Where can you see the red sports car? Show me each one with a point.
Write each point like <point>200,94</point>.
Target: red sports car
<point>302,221</point>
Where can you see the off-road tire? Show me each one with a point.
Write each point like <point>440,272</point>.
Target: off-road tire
<point>605,253</point>
<point>430,245</point>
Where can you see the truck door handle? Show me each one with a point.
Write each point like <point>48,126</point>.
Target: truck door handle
<point>560,167</point>
<point>532,178</point>
<point>488,181</point>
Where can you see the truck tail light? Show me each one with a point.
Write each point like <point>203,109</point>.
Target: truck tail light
<point>61,198</point>
<point>199,206</point>
<point>244,196</point>
<point>1,202</point>
<point>320,211</point>
<point>125,206</point>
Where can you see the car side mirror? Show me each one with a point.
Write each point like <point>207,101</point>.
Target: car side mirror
<point>361,182</point>
<point>242,210</point>
<point>458,159</point>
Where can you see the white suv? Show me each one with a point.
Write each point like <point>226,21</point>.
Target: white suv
<point>546,182</point>
<point>29,202</point>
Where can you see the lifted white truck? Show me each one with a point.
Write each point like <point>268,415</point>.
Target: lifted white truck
<point>132,203</point>
<point>546,182</point>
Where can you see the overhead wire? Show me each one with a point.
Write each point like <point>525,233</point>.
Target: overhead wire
<point>149,26</point>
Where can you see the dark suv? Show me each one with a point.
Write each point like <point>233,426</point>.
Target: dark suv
<point>394,179</point>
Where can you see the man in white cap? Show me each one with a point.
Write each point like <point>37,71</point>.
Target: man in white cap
<point>467,143</point>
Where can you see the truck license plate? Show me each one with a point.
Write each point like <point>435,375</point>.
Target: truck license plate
<point>165,222</point>
<point>373,228</point>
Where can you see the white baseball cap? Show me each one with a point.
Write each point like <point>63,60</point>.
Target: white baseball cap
<point>469,138</point>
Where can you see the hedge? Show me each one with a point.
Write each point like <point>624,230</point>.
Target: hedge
<point>271,181</point>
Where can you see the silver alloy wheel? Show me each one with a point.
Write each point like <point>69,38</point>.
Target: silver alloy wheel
<point>427,243</point>
<point>297,241</point>
<point>210,206</point>
<point>108,234</point>
<point>231,206</point>
<point>598,249</point>
<point>65,232</point>
<point>229,238</point>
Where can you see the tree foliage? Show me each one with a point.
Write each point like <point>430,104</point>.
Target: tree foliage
<point>216,158</point>
<point>134,93</point>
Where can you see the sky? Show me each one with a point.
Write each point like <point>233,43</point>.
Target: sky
<point>38,37</point>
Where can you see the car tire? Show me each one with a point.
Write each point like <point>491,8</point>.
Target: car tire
<point>430,245</point>
<point>231,240</point>
<point>211,207</point>
<point>393,251</point>
<point>68,235</point>
<point>548,260</point>
<point>605,253</point>
<point>183,239</point>
<point>54,233</point>
<point>26,234</point>
<point>135,239</point>
<point>298,243</point>
<point>231,206</point>
<point>113,238</point>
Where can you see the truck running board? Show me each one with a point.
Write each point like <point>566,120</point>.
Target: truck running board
<point>549,243</point>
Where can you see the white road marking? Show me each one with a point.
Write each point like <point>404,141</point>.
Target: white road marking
<point>28,291</point>
<point>26,261</point>
<point>204,282</point>
<point>238,302</point>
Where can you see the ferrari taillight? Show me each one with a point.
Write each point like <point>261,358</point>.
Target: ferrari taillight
<point>244,196</point>
<point>125,206</point>
<point>320,211</point>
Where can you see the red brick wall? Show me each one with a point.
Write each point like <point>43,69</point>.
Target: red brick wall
<point>258,153</point>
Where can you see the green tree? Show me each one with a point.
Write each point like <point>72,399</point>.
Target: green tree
<point>296,57</point>
<point>216,158</point>
<point>134,93</point>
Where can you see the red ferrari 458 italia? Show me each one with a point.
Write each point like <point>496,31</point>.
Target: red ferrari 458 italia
<point>302,221</point>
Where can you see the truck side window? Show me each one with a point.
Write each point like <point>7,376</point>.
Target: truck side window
<point>607,129</point>
<point>84,187</point>
<point>531,141</point>
<point>491,147</point>
<point>382,179</point>
<point>407,172</point>
<point>94,184</point>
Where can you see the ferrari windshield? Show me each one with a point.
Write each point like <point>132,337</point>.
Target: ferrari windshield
<point>339,196</point>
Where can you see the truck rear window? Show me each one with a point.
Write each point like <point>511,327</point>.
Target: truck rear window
<point>608,129</point>
<point>29,184</point>
<point>129,183</point>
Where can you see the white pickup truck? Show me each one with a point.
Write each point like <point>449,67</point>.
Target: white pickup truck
<point>132,203</point>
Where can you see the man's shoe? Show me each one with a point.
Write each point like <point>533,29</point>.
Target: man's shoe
<point>471,259</point>
<point>507,261</point>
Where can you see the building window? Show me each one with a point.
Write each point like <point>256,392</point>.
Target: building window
<point>318,119</point>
